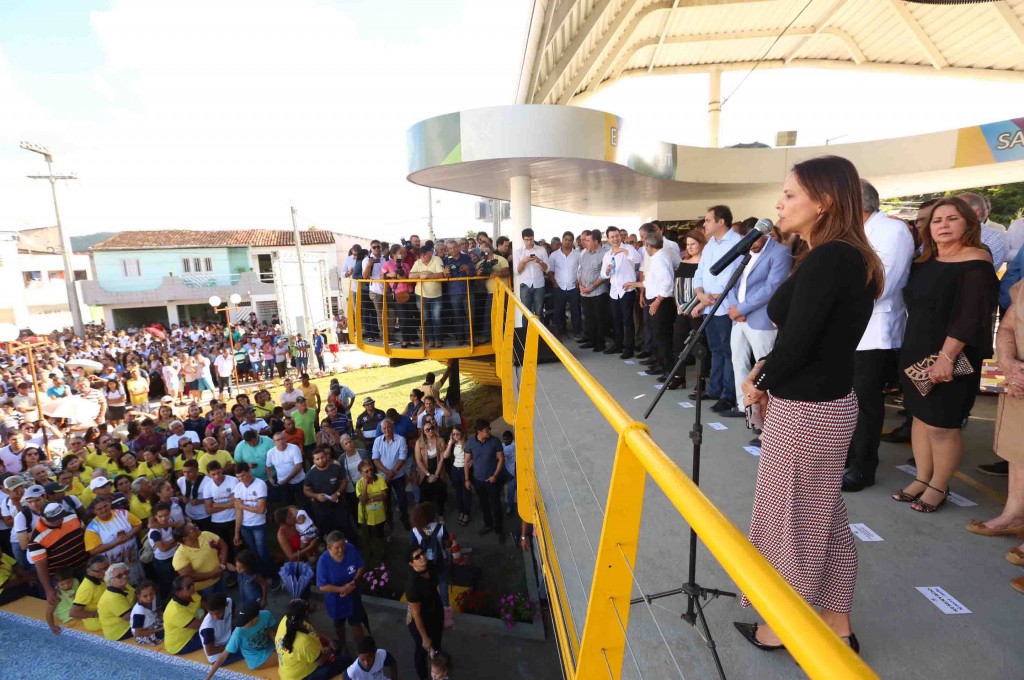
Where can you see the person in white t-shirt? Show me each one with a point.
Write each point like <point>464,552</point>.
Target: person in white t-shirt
<point>215,628</point>
<point>284,469</point>
<point>218,493</point>
<point>225,366</point>
<point>251,514</point>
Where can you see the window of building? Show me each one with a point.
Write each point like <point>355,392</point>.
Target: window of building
<point>196,265</point>
<point>33,278</point>
<point>265,265</point>
<point>57,275</point>
<point>81,275</point>
<point>131,268</point>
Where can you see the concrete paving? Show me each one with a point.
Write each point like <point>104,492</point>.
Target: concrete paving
<point>902,634</point>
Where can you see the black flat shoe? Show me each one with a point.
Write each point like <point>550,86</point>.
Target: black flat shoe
<point>851,639</point>
<point>749,633</point>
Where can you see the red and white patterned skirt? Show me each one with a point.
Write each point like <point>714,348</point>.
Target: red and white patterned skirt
<point>799,521</point>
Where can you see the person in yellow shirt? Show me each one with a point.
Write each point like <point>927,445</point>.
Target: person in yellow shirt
<point>301,651</point>
<point>211,451</point>
<point>182,617</point>
<point>138,390</point>
<point>14,581</point>
<point>112,533</point>
<point>428,267</point>
<point>141,502</point>
<point>311,392</point>
<point>264,405</point>
<point>201,555</point>
<point>115,605</point>
<point>87,597</point>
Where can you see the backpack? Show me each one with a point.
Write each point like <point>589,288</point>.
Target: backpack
<point>433,546</point>
<point>146,551</point>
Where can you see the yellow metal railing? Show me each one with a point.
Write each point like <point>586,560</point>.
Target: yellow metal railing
<point>601,648</point>
<point>412,314</point>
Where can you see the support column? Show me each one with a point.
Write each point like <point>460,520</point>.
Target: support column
<point>714,105</point>
<point>172,315</point>
<point>522,218</point>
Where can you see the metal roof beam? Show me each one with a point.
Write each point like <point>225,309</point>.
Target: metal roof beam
<point>584,70</point>
<point>570,52</point>
<point>609,63</point>
<point>1010,19</point>
<point>661,35</point>
<point>821,22</point>
<point>934,55</point>
<point>541,48</point>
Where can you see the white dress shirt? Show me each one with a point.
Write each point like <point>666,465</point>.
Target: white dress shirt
<point>564,267</point>
<point>1015,234</point>
<point>623,269</point>
<point>895,247</point>
<point>660,277</point>
<point>741,294</point>
<point>532,274</point>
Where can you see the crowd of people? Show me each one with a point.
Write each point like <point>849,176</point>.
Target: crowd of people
<point>165,512</point>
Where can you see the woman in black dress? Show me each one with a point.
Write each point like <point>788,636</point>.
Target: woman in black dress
<point>950,298</point>
<point>799,522</point>
<point>694,242</point>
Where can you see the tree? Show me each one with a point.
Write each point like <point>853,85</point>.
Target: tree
<point>1007,200</point>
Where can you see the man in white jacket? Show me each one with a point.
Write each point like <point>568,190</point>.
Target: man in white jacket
<point>877,353</point>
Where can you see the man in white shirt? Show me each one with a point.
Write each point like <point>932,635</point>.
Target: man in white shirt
<point>251,514</point>
<point>660,307</point>
<point>218,493</point>
<point>618,267</point>
<point>290,396</point>
<point>179,433</point>
<point>992,237</point>
<point>225,366</point>
<point>875,359</point>
<point>530,263</point>
<point>565,263</point>
<point>284,469</point>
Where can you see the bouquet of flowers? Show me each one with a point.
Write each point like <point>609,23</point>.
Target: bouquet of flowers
<point>377,578</point>
<point>517,607</point>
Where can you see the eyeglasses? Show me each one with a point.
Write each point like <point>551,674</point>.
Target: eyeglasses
<point>419,556</point>
<point>428,429</point>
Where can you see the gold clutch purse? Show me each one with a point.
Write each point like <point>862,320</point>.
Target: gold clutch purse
<point>918,373</point>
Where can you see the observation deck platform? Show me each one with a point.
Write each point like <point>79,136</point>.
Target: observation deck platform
<point>902,634</point>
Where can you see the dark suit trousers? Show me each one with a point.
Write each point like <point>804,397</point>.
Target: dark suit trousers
<point>871,370</point>
<point>623,330</point>
<point>595,318</point>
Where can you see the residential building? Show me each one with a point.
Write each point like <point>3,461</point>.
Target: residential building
<point>145,277</point>
<point>32,280</point>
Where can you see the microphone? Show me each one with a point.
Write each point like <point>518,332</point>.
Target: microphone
<point>762,227</point>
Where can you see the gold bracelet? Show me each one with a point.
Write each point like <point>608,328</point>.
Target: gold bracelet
<point>946,357</point>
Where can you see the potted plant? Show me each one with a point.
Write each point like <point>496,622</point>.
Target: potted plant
<point>517,607</point>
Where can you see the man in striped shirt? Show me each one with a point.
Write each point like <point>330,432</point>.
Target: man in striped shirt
<point>57,544</point>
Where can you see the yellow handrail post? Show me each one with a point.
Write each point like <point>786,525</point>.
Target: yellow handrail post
<point>508,406</point>
<point>497,306</point>
<point>612,587</point>
<point>524,419</point>
<point>359,314</point>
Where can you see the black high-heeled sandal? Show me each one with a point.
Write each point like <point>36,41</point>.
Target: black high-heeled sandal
<point>920,506</point>
<point>749,633</point>
<point>852,640</point>
<point>901,496</point>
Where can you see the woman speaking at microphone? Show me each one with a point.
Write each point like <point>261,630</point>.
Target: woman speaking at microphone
<point>805,389</point>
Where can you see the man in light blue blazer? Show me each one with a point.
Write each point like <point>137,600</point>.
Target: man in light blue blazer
<point>753,333</point>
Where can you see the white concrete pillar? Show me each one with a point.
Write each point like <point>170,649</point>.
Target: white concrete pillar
<point>108,318</point>
<point>172,315</point>
<point>522,218</point>
<point>714,105</point>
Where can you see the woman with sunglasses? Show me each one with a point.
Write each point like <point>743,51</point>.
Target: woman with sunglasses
<point>429,457</point>
<point>455,456</point>
<point>425,616</point>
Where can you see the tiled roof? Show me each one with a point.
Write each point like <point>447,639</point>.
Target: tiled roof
<point>259,238</point>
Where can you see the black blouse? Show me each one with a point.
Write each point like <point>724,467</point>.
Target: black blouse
<point>821,311</point>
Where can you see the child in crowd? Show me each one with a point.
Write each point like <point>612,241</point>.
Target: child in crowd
<point>508,445</point>
<point>307,530</point>
<point>251,585</point>
<point>371,490</point>
<point>147,620</point>
<point>67,585</point>
<point>215,629</point>
<point>440,666</point>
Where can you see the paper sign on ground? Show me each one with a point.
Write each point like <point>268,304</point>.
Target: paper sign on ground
<point>717,426</point>
<point>686,404</point>
<point>630,362</point>
<point>643,373</point>
<point>946,603</point>
<point>657,386</point>
<point>909,469</point>
<point>753,450</point>
<point>957,499</point>
<point>865,534</point>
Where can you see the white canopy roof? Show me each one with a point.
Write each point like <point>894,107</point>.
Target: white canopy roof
<point>575,47</point>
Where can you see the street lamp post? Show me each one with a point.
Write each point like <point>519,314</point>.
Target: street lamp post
<point>9,336</point>
<point>233,299</point>
<point>65,241</point>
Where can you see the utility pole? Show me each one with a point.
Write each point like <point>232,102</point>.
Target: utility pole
<point>65,241</point>
<point>430,213</point>
<point>302,272</point>
<point>495,218</point>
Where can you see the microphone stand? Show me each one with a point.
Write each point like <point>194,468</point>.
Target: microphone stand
<point>695,593</point>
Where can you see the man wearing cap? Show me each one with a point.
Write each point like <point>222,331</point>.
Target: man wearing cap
<point>13,489</point>
<point>253,450</point>
<point>32,502</point>
<point>369,419</point>
<point>389,456</point>
<point>251,422</point>
<point>57,493</point>
<point>253,637</point>
<point>305,420</point>
<point>57,544</point>
<point>102,488</point>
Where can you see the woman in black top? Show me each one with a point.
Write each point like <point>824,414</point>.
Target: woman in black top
<point>951,295</point>
<point>805,385</point>
<point>426,611</point>
<point>694,241</point>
